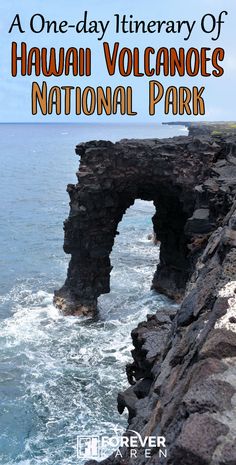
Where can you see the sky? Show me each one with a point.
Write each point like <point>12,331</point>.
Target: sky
<point>15,92</point>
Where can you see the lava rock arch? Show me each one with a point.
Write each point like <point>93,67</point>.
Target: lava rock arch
<point>173,173</point>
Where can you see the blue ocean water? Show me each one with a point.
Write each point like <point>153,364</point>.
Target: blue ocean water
<point>59,376</point>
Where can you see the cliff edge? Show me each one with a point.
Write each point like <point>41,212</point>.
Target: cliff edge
<point>183,375</point>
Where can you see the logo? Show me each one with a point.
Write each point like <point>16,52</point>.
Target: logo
<point>98,447</point>
<point>88,447</point>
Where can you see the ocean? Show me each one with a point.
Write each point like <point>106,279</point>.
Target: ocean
<point>60,376</point>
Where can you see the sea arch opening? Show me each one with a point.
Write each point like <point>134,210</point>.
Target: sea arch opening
<point>134,258</point>
<point>168,221</point>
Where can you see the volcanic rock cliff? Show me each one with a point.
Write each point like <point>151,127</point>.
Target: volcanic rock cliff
<point>183,375</point>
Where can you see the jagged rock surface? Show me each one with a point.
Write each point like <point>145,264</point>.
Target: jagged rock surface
<point>185,177</point>
<point>183,379</point>
<point>183,375</point>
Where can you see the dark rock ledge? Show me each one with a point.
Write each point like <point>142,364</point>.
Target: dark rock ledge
<point>183,375</point>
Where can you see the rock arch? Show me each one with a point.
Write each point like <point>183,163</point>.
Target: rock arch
<point>171,173</point>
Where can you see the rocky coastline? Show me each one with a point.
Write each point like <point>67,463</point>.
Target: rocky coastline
<point>183,375</point>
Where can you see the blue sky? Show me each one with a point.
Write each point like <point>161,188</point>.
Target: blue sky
<point>15,93</point>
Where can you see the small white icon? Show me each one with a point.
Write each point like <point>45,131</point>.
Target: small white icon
<point>87,446</point>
